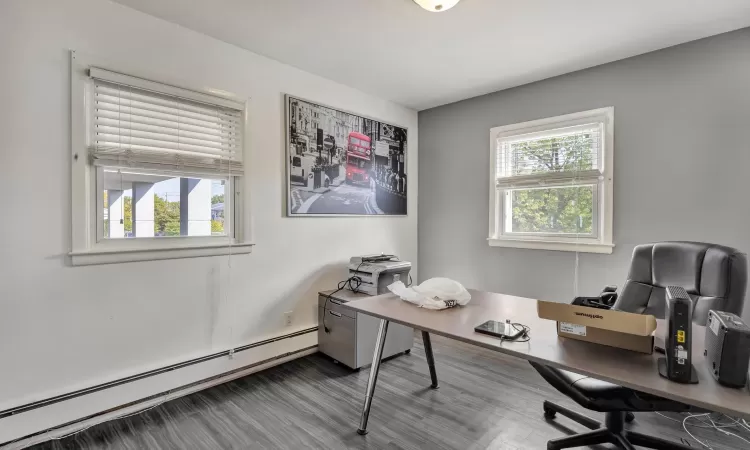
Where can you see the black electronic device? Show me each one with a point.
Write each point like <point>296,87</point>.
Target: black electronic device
<point>727,348</point>
<point>504,330</point>
<point>605,300</point>
<point>677,366</point>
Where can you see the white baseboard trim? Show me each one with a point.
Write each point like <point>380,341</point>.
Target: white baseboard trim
<point>60,419</point>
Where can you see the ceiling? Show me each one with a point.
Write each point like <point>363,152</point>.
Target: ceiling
<point>398,51</point>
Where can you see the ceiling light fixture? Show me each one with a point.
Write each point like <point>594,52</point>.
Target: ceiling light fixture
<point>436,5</point>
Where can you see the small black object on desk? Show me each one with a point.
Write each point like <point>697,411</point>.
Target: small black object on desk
<point>677,365</point>
<point>605,300</point>
<point>506,331</point>
<point>727,348</point>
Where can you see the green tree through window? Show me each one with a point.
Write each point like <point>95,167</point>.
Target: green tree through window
<point>217,226</point>
<point>128,214</point>
<point>558,209</point>
<point>166,217</point>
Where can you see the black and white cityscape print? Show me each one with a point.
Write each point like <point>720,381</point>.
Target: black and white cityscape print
<point>343,164</point>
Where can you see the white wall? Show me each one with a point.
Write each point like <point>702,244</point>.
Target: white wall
<point>63,327</point>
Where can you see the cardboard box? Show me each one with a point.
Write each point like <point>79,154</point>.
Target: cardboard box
<point>602,326</point>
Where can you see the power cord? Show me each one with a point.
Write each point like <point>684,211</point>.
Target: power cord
<point>342,284</point>
<point>727,432</point>
<point>525,335</point>
<point>684,426</point>
<point>353,282</point>
<point>708,422</point>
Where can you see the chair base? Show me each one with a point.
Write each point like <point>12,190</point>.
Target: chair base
<point>613,432</point>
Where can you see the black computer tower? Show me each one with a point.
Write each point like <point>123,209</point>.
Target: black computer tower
<point>677,366</point>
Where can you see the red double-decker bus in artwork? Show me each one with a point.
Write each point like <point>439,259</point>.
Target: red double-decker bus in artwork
<point>358,159</point>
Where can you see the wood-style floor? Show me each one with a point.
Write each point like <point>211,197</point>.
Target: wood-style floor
<point>485,401</point>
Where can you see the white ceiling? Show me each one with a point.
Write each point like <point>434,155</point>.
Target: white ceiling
<point>396,50</point>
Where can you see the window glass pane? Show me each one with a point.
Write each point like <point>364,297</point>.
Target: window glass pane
<point>562,153</point>
<point>359,163</point>
<point>148,206</point>
<point>561,210</point>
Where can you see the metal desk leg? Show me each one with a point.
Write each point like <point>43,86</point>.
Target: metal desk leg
<point>374,369</point>
<point>430,358</point>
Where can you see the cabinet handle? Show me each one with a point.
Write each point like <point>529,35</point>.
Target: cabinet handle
<point>335,313</point>
<point>335,302</point>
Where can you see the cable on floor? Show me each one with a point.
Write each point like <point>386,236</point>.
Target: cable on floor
<point>707,422</point>
<point>684,427</point>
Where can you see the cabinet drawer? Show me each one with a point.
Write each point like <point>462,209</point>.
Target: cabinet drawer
<point>340,342</point>
<point>335,304</point>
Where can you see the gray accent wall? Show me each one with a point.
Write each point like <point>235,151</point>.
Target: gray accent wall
<point>682,167</point>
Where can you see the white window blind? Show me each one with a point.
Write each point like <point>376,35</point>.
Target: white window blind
<point>139,124</point>
<point>553,156</point>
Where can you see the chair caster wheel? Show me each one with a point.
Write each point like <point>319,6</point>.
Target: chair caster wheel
<point>629,417</point>
<point>549,413</point>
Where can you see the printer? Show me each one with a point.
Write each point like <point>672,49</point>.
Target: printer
<point>376,272</point>
<point>349,337</point>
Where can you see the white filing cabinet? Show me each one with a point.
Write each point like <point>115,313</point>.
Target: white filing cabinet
<point>351,336</point>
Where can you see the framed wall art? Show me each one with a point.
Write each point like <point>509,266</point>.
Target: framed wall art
<point>343,164</point>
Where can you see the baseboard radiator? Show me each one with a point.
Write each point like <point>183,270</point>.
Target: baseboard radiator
<point>111,413</point>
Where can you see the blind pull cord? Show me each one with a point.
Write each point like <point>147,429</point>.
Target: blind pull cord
<point>122,202</point>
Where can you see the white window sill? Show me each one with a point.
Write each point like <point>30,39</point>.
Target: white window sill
<point>564,246</point>
<point>114,256</point>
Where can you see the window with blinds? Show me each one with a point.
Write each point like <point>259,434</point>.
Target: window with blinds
<point>166,159</point>
<point>557,155</point>
<point>157,170</point>
<point>551,181</point>
<point>137,124</point>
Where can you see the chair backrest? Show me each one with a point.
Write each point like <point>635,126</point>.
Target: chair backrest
<point>715,277</point>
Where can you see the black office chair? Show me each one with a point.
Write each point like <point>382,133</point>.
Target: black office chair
<point>713,275</point>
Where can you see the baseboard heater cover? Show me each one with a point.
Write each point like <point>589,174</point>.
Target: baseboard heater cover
<point>81,392</point>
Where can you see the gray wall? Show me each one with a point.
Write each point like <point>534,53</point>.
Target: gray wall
<point>682,160</point>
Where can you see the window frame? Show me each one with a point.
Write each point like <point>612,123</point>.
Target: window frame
<point>88,244</point>
<point>601,241</point>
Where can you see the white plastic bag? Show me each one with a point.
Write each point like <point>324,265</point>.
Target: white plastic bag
<point>435,293</point>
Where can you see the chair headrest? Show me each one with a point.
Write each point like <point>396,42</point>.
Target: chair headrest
<point>702,269</point>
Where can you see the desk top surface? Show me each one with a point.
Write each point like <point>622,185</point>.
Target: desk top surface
<point>626,368</point>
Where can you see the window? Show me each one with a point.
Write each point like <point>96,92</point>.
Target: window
<point>551,183</point>
<point>360,163</point>
<point>137,205</point>
<point>157,170</point>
